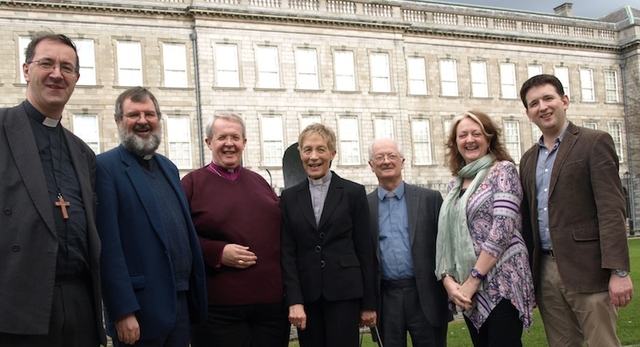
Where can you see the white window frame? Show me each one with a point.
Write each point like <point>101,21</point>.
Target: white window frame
<point>562,73</point>
<point>479,87</point>
<point>508,81</point>
<point>421,135</point>
<point>268,67</point>
<point>590,125</point>
<point>349,138</point>
<point>87,127</point>
<point>448,78</point>
<point>272,140</point>
<point>380,72</point>
<point>615,130</point>
<point>611,86</point>
<point>536,134</point>
<point>227,66</point>
<point>588,93</point>
<point>345,76</point>
<point>87,55</point>
<point>174,58</point>
<point>512,139</point>
<point>383,127</point>
<point>23,42</point>
<point>179,140</point>
<point>534,70</point>
<point>129,55</point>
<point>417,76</point>
<point>308,119</point>
<point>307,68</point>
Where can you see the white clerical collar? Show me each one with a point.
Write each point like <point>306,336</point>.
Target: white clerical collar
<point>320,181</point>
<point>148,157</point>
<point>50,122</point>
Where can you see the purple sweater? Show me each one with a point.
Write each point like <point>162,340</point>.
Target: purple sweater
<point>245,212</point>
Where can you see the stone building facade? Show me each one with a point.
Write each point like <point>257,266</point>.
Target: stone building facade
<point>367,69</point>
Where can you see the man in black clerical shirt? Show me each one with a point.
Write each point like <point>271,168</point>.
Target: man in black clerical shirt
<point>152,267</point>
<point>49,246</point>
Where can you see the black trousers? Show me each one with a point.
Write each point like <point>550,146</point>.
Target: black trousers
<point>331,324</point>
<point>259,325</point>
<point>503,328</point>
<point>72,323</point>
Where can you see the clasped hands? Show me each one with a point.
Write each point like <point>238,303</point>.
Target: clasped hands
<point>461,294</point>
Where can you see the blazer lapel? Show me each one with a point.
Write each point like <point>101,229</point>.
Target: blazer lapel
<point>25,153</point>
<point>304,201</point>
<point>413,206</point>
<point>334,195</point>
<point>144,192</point>
<point>374,223</point>
<point>568,141</point>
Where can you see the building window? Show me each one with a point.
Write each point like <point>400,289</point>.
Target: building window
<point>383,127</point>
<point>179,136</point>
<point>508,81</point>
<point>227,71</point>
<point>349,140</point>
<point>380,79</point>
<point>272,140</point>
<point>421,131</point>
<point>591,125</point>
<point>562,73</point>
<point>175,65</point>
<point>86,127</point>
<point>23,42</point>
<point>129,63</point>
<point>268,67</point>
<point>534,70</point>
<point>87,56</point>
<point>345,72</point>
<point>479,79</point>
<point>512,139</point>
<point>307,68</point>
<point>417,76</point>
<point>615,130</point>
<point>611,86</point>
<point>309,119</point>
<point>448,77</point>
<point>586,85</point>
<point>446,127</point>
<point>536,134</point>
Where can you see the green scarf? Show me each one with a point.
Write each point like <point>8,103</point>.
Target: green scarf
<point>454,248</point>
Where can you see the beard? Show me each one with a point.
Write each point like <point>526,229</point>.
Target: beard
<point>135,143</point>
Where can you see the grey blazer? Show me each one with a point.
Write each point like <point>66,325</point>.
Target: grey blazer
<point>423,208</point>
<point>28,244</point>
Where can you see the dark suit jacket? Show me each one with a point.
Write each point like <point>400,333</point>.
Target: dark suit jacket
<point>136,267</point>
<point>586,210</point>
<point>333,259</point>
<point>27,227</point>
<point>423,208</point>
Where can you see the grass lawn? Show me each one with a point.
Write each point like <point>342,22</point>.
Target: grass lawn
<point>628,319</point>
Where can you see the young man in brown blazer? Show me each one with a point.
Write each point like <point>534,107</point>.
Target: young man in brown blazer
<point>573,221</point>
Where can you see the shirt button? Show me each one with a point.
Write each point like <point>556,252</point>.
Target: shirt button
<point>15,248</point>
<point>321,236</point>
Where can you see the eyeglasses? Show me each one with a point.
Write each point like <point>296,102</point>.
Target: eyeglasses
<point>135,116</point>
<point>48,66</point>
<point>391,157</point>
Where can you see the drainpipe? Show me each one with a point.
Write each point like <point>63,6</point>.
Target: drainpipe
<point>194,42</point>
<point>631,184</point>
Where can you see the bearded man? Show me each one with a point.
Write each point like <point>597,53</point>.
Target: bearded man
<point>152,267</point>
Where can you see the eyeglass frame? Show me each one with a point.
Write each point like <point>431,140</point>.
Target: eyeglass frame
<point>62,67</point>
<point>379,158</point>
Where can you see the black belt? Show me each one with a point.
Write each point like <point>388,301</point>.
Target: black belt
<point>411,282</point>
<point>549,252</point>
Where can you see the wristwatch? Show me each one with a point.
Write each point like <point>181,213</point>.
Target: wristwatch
<point>476,274</point>
<point>618,272</point>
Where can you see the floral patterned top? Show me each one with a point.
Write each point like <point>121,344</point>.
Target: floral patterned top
<point>495,225</point>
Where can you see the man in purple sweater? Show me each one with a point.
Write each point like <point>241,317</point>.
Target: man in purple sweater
<point>237,217</point>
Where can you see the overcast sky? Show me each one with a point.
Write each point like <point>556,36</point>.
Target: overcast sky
<point>581,8</point>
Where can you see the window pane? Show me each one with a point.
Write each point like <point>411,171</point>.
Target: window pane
<point>86,127</point>
<point>383,127</point>
<point>308,120</point>
<point>129,64</point>
<point>448,77</point>
<point>179,134</point>
<point>512,139</point>
<point>421,142</point>
<point>273,140</point>
<point>611,86</point>
<point>586,84</point>
<point>349,141</point>
<point>268,67</point>
<point>508,81</point>
<point>615,130</point>
<point>227,66</point>
<point>562,73</point>
<point>380,73</point>
<point>534,70</point>
<point>307,68</point>
<point>175,65</point>
<point>479,79</point>
<point>23,42</point>
<point>344,70</point>
<point>417,76</point>
<point>87,56</point>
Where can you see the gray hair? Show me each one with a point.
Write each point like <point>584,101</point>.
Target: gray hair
<point>227,115</point>
<point>387,139</point>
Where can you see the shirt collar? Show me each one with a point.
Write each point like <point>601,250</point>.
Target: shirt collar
<point>39,117</point>
<point>320,181</point>
<point>558,140</point>
<point>399,191</point>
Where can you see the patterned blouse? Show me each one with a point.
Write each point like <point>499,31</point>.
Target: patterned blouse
<point>495,225</point>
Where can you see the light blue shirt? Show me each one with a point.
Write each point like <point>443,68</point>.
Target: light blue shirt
<point>546,159</point>
<point>395,247</point>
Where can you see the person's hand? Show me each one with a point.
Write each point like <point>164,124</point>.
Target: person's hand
<point>297,317</point>
<point>237,256</point>
<point>455,294</point>
<point>620,290</point>
<point>368,318</point>
<point>469,287</point>
<point>128,329</point>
